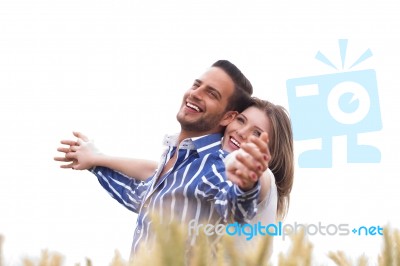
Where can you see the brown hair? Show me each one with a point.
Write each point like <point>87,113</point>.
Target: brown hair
<point>281,149</point>
<point>241,97</point>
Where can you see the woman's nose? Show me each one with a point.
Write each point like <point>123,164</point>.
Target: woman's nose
<point>242,133</point>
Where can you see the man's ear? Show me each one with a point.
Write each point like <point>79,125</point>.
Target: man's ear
<point>228,117</point>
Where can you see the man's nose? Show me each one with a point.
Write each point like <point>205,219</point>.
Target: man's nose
<point>197,93</point>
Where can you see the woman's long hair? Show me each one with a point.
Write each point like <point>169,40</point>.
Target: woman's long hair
<point>281,149</point>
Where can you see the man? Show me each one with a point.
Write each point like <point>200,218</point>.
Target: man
<point>190,183</point>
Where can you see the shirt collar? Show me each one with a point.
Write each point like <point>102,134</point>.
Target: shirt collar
<point>203,144</point>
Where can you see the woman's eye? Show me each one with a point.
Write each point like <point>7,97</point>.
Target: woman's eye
<point>240,119</point>
<point>257,133</point>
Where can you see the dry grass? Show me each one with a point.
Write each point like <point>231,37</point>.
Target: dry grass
<point>169,250</point>
<point>299,254</point>
<point>46,259</point>
<point>390,254</point>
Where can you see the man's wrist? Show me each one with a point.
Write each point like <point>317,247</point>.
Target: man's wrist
<point>250,192</point>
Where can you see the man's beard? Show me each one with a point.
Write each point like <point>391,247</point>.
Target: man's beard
<point>201,125</point>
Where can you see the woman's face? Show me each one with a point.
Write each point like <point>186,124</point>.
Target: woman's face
<point>251,121</point>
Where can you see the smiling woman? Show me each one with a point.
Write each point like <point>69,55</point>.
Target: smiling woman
<point>252,121</point>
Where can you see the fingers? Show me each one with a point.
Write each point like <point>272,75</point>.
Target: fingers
<point>259,150</point>
<point>240,174</point>
<point>81,138</point>
<point>231,165</point>
<point>264,137</point>
<point>246,176</point>
<point>73,165</point>
<point>71,155</point>
<point>62,159</point>
<point>242,169</point>
<point>80,135</point>
<point>249,165</point>
<point>257,156</point>
<point>246,181</point>
<point>63,149</point>
<point>261,142</point>
<point>74,148</point>
<point>67,166</point>
<point>69,142</point>
<point>231,175</point>
<point>70,151</point>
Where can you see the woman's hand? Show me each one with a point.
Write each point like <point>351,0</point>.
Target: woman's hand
<point>247,165</point>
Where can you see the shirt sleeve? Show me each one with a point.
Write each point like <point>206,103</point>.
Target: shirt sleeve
<point>230,201</point>
<point>126,190</point>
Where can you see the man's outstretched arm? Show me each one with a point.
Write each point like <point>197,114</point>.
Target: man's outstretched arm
<point>82,154</point>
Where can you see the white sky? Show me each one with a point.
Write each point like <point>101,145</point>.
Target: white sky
<point>116,70</point>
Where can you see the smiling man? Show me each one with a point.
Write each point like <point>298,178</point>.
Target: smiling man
<point>190,181</point>
<point>203,106</point>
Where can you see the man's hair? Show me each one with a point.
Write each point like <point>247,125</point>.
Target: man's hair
<point>240,99</point>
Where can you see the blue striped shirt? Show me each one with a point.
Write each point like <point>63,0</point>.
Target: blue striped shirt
<point>195,188</point>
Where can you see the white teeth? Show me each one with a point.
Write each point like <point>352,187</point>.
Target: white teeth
<point>235,142</point>
<point>193,107</point>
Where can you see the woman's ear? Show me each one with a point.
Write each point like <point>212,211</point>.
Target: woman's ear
<point>228,117</point>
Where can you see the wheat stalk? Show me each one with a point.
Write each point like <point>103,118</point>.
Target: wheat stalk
<point>170,248</point>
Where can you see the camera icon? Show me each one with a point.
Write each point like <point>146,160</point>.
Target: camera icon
<point>325,106</point>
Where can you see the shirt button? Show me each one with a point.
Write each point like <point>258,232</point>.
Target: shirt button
<point>138,231</point>
<point>146,205</point>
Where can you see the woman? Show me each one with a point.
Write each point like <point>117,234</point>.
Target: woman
<point>277,181</point>
<point>261,116</point>
<point>264,116</point>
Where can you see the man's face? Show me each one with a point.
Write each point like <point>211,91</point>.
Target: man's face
<point>204,104</point>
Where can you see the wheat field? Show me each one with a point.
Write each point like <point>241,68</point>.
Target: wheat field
<point>300,253</point>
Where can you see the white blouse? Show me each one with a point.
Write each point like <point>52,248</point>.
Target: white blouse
<point>266,211</point>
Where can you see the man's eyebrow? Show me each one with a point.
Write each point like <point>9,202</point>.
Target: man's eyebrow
<point>209,88</point>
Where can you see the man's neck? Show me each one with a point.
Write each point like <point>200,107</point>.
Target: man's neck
<point>182,136</point>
